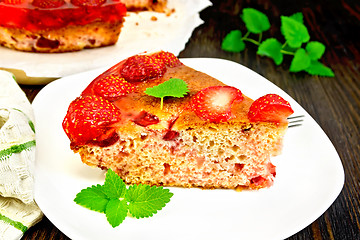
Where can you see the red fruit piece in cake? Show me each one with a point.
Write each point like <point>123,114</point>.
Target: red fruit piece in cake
<point>88,3</point>
<point>140,68</point>
<point>88,119</point>
<point>113,87</point>
<point>48,3</point>
<point>270,108</point>
<point>170,135</point>
<point>214,103</point>
<point>169,59</point>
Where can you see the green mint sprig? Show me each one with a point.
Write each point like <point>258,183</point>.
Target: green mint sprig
<point>116,200</point>
<point>295,34</point>
<point>174,87</point>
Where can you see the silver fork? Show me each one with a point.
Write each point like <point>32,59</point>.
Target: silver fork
<point>296,121</point>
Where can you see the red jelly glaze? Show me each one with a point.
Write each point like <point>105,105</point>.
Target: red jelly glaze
<point>24,15</point>
<point>105,141</point>
<point>108,140</point>
<point>145,119</point>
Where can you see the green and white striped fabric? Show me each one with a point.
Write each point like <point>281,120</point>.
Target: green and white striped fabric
<point>18,211</point>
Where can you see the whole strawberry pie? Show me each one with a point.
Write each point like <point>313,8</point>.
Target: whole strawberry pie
<point>60,25</point>
<point>153,120</point>
<point>54,26</point>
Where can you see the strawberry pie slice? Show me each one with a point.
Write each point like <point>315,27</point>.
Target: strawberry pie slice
<point>153,120</point>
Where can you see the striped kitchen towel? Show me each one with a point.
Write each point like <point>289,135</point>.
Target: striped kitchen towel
<point>18,210</point>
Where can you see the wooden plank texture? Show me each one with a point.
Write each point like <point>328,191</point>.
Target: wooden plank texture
<point>333,102</point>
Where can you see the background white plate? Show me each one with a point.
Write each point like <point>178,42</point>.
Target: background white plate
<point>309,176</point>
<point>138,34</point>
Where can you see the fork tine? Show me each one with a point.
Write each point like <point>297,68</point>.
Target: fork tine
<point>294,117</point>
<point>294,125</point>
<point>295,121</point>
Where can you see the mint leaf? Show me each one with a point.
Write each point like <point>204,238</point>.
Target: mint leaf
<point>144,201</point>
<point>317,68</point>
<point>298,17</point>
<point>93,198</point>
<point>233,42</point>
<point>116,212</point>
<point>315,50</point>
<point>271,47</point>
<point>174,87</point>
<point>116,200</point>
<point>301,61</point>
<point>255,21</point>
<point>295,33</point>
<point>114,186</point>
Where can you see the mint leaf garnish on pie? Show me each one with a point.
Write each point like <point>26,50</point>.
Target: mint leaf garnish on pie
<point>116,200</point>
<point>174,87</point>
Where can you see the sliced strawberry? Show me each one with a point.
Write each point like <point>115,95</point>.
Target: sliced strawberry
<point>88,3</point>
<point>139,68</point>
<point>88,119</point>
<point>167,58</point>
<point>214,103</point>
<point>270,108</point>
<point>113,87</point>
<point>48,3</point>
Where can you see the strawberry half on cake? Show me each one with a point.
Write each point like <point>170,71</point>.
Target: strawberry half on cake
<point>53,26</point>
<point>153,120</point>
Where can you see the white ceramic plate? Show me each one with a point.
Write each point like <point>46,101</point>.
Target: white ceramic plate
<point>309,176</point>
